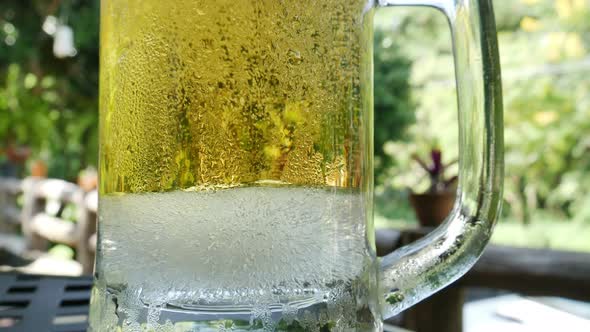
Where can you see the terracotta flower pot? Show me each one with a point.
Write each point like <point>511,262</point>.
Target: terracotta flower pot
<point>39,169</point>
<point>432,208</point>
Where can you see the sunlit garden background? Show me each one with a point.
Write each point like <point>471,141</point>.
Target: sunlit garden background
<point>545,65</point>
<point>48,107</point>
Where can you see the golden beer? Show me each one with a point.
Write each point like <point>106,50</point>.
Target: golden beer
<point>217,94</point>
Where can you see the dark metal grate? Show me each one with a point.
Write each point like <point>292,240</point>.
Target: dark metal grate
<point>43,304</point>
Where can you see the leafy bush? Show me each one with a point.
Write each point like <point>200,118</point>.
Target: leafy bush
<point>47,103</point>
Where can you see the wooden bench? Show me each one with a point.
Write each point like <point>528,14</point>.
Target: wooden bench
<point>522,270</point>
<point>39,227</point>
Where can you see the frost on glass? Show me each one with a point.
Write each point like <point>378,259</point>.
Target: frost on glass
<point>234,252</point>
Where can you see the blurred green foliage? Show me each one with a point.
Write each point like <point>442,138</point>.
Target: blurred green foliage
<point>47,103</point>
<point>50,104</point>
<point>420,35</point>
<point>547,110</point>
<point>394,108</point>
<point>545,62</point>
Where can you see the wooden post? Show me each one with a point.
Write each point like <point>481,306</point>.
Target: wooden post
<point>87,232</point>
<point>443,312</point>
<point>9,213</point>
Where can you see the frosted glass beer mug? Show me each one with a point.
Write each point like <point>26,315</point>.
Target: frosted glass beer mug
<point>236,167</point>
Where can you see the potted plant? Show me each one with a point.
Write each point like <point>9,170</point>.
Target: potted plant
<point>38,168</point>
<point>434,205</point>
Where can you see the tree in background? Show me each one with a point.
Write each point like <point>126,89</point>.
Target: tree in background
<point>545,63</point>
<point>48,103</point>
<point>401,128</point>
<point>394,109</point>
<point>547,100</point>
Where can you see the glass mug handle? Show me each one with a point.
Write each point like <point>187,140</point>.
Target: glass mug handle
<point>415,272</point>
